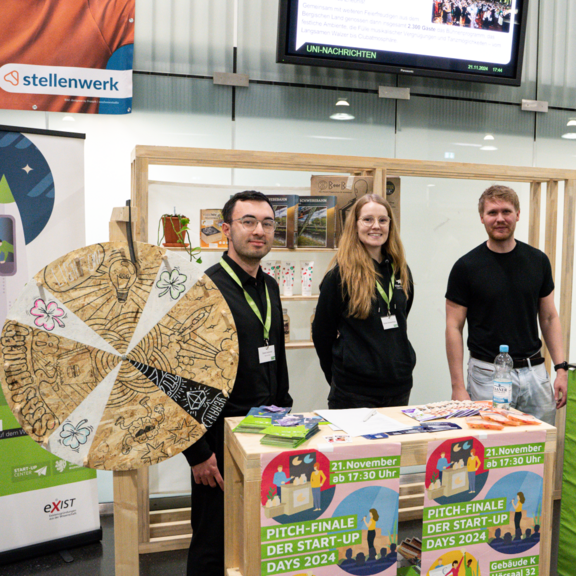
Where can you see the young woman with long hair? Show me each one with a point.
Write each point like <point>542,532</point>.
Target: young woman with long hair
<point>359,329</point>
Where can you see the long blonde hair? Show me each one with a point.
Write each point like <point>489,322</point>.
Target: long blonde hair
<point>356,267</point>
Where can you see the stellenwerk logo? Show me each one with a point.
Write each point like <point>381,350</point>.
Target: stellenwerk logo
<point>66,81</point>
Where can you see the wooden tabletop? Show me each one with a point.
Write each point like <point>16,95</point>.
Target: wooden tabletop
<point>246,448</point>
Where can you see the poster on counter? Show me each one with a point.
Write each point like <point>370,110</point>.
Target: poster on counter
<point>332,512</point>
<point>483,504</point>
<point>62,56</point>
<point>42,497</point>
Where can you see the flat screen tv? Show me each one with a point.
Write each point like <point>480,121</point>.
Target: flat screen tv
<point>470,40</point>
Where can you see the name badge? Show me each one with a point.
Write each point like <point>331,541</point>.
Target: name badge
<point>266,354</point>
<point>389,322</point>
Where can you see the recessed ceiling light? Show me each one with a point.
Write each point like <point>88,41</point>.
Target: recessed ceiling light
<point>571,122</point>
<point>489,148</point>
<point>488,137</point>
<point>342,102</point>
<point>342,116</point>
<point>569,136</point>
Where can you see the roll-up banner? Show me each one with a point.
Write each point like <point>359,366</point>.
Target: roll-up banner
<point>45,501</point>
<point>63,56</point>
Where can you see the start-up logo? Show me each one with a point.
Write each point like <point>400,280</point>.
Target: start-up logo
<point>66,81</point>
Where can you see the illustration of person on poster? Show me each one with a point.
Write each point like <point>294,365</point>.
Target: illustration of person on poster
<point>485,516</point>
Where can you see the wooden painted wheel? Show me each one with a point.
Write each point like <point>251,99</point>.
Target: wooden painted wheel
<point>114,365</point>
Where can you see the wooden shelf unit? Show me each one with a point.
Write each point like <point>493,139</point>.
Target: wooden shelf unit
<point>131,492</point>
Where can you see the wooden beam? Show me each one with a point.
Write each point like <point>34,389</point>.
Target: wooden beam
<point>550,232</point>
<point>126,557</point>
<point>534,215</point>
<point>207,157</point>
<point>139,197</point>
<point>566,285</point>
<point>143,488</point>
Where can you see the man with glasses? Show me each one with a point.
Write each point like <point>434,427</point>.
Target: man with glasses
<point>262,377</point>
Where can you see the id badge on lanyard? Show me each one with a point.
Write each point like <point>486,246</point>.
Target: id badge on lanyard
<point>389,322</point>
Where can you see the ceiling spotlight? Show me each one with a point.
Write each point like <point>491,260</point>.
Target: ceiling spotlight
<point>342,116</point>
<point>569,136</point>
<point>342,102</point>
<point>488,137</point>
<point>571,122</point>
<point>489,148</point>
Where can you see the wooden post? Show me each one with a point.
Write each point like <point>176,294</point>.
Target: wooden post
<point>140,197</point>
<point>546,517</point>
<point>233,512</point>
<point>126,523</point>
<point>565,308</point>
<point>380,182</point>
<point>550,241</point>
<point>126,493</point>
<point>143,489</point>
<point>534,215</point>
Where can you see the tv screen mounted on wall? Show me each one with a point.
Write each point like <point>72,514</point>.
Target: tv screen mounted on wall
<point>469,40</point>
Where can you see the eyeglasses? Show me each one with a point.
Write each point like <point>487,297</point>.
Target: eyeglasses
<point>250,223</point>
<point>369,221</point>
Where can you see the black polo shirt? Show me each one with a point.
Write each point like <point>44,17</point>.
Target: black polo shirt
<point>256,384</point>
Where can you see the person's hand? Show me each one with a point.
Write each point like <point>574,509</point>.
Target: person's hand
<point>460,394</point>
<point>207,473</point>
<point>561,388</point>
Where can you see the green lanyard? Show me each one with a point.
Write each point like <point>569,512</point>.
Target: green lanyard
<point>251,302</point>
<point>387,297</point>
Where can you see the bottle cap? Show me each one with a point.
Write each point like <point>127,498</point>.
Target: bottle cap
<point>504,348</point>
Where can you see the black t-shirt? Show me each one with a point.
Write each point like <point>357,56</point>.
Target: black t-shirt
<point>502,294</point>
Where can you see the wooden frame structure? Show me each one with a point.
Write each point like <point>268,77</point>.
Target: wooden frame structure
<point>132,518</point>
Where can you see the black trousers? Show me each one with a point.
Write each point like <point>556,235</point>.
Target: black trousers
<point>206,553</point>
<point>339,400</point>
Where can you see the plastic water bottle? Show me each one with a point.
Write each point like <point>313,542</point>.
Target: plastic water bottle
<point>503,366</point>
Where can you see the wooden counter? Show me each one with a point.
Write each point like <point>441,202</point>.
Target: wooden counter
<point>242,484</point>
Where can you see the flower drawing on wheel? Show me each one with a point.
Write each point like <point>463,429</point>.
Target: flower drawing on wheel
<point>172,282</point>
<point>74,436</point>
<point>47,315</point>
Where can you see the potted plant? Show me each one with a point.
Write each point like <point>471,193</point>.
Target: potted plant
<point>175,233</point>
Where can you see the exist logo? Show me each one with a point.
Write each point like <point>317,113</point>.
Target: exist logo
<point>12,77</point>
<point>59,506</point>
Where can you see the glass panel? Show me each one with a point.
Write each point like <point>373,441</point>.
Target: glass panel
<point>184,37</point>
<point>552,149</point>
<point>439,129</point>
<point>557,54</point>
<point>286,119</point>
<point>167,112</point>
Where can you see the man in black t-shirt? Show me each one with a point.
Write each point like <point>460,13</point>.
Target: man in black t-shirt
<point>504,288</point>
<point>262,377</point>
